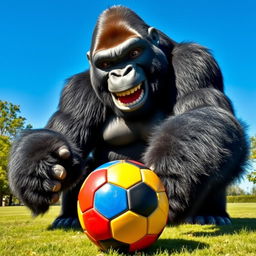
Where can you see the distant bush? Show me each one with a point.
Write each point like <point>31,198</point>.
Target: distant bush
<point>242,199</point>
<point>235,190</point>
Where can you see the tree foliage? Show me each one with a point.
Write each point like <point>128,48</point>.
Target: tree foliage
<point>4,150</point>
<point>252,175</point>
<point>253,148</point>
<point>10,124</point>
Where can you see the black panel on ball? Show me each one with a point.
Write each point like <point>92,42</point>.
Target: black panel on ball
<point>142,199</point>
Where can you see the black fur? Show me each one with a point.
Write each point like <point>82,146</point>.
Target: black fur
<point>30,175</point>
<point>196,153</point>
<point>197,147</point>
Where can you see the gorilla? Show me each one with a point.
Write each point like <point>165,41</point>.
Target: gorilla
<point>146,98</point>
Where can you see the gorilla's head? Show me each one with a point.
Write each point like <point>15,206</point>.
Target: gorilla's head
<point>129,65</point>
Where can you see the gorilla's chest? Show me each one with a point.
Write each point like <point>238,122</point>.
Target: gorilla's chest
<point>120,132</point>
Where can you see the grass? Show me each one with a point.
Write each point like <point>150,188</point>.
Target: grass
<point>21,235</point>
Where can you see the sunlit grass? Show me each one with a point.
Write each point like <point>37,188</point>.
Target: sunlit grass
<point>21,235</point>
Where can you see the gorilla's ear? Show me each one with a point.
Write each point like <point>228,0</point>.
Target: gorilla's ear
<point>153,35</point>
<point>88,56</point>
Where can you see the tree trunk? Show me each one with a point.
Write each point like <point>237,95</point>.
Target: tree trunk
<point>10,200</point>
<point>1,200</point>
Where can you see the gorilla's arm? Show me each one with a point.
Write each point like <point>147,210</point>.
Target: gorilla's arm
<point>45,161</point>
<point>194,152</point>
<point>80,114</point>
<point>202,146</point>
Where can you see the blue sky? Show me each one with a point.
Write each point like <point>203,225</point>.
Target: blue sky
<point>43,42</point>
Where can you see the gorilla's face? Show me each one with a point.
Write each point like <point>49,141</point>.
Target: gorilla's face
<point>127,69</point>
<point>125,72</point>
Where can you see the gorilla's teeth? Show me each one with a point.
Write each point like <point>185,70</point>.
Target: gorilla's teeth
<point>134,102</point>
<point>128,92</point>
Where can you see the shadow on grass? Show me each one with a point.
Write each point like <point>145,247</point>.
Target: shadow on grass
<point>175,246</point>
<point>51,228</point>
<point>180,245</point>
<point>238,225</point>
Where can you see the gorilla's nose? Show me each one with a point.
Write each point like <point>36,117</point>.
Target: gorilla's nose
<point>121,72</point>
<point>122,79</point>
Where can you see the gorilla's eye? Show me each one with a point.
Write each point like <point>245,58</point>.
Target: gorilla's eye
<point>135,53</point>
<point>104,64</point>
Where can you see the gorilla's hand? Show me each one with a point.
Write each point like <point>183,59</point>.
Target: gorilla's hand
<point>42,163</point>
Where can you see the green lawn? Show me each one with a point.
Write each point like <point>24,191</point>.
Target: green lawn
<point>20,234</point>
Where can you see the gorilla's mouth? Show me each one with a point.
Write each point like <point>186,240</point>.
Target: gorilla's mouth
<point>132,99</point>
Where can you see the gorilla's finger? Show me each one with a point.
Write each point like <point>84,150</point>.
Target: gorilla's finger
<point>56,187</point>
<point>59,172</point>
<point>53,186</point>
<point>55,198</point>
<point>63,152</point>
<point>152,167</point>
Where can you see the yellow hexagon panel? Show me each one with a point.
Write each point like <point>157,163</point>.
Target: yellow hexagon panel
<point>158,219</point>
<point>163,202</point>
<point>129,227</point>
<point>80,216</point>
<point>150,178</point>
<point>124,175</point>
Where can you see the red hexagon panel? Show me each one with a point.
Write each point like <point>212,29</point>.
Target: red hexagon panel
<point>96,225</point>
<point>143,243</point>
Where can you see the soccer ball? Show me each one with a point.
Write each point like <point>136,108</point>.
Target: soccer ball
<point>123,205</point>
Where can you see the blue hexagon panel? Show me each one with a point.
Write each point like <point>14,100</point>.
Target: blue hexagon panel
<point>110,200</point>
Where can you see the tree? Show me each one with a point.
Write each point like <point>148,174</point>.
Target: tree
<point>253,148</point>
<point>4,150</point>
<point>235,190</point>
<point>253,190</point>
<point>10,124</point>
<point>252,175</point>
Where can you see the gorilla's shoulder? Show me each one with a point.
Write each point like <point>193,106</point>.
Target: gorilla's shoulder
<point>78,83</point>
<point>78,96</point>
<point>78,88</point>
